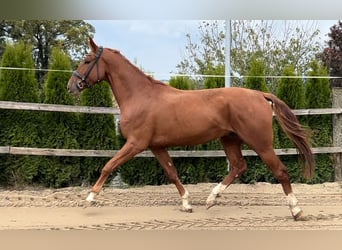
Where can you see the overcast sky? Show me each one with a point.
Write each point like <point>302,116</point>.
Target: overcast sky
<point>157,45</point>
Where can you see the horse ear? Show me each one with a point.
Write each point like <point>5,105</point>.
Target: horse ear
<point>92,45</point>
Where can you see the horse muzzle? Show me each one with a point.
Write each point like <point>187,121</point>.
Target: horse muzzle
<point>73,87</point>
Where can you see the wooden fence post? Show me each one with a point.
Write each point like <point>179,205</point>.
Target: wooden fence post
<point>336,86</point>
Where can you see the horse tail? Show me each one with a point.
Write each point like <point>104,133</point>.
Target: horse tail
<point>295,131</point>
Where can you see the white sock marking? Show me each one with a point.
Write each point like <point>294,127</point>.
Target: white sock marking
<point>219,188</point>
<point>185,200</point>
<point>91,197</point>
<point>292,201</point>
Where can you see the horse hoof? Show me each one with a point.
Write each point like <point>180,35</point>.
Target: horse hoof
<point>300,217</point>
<point>187,210</point>
<point>210,204</point>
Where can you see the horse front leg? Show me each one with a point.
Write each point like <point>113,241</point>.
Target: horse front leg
<point>166,162</point>
<point>127,152</point>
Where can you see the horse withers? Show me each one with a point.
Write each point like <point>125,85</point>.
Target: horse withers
<point>156,116</point>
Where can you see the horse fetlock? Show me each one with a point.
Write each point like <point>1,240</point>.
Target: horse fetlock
<point>185,202</point>
<point>296,211</point>
<point>91,197</point>
<point>210,202</point>
<point>219,188</point>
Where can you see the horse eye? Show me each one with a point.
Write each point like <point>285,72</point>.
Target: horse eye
<point>86,62</point>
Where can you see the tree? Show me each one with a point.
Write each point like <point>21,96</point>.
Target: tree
<point>45,34</point>
<point>181,82</point>
<point>278,42</point>
<point>332,55</point>
<point>61,129</point>
<point>318,95</point>
<point>256,75</point>
<point>19,127</point>
<point>291,88</point>
<point>97,131</point>
<point>208,50</point>
<point>212,81</point>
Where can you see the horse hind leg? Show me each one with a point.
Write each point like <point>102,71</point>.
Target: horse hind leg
<point>279,171</point>
<point>232,147</point>
<point>166,162</point>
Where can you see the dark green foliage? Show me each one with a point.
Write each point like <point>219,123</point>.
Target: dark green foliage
<point>61,129</point>
<point>318,95</point>
<point>19,128</point>
<point>254,81</point>
<point>143,171</point>
<point>214,82</point>
<point>257,171</point>
<point>181,82</point>
<point>215,168</point>
<point>18,85</point>
<point>44,35</point>
<point>191,170</point>
<point>97,131</point>
<point>291,89</point>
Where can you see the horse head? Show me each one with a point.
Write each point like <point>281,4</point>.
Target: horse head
<point>90,71</point>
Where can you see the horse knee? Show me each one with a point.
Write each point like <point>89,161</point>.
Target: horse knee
<point>106,171</point>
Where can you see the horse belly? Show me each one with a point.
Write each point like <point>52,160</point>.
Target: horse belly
<point>193,133</point>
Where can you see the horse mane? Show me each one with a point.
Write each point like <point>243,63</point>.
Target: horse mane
<point>150,78</point>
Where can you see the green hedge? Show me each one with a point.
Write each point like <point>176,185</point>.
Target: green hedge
<point>60,129</point>
<point>97,131</point>
<point>18,127</point>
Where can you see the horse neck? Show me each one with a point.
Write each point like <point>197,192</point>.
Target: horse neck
<point>128,83</point>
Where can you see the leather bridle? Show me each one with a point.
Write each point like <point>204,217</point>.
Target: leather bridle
<point>84,83</point>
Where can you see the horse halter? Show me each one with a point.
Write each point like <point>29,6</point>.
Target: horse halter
<point>84,83</point>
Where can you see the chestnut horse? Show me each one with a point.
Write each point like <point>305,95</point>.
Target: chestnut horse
<point>156,116</point>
